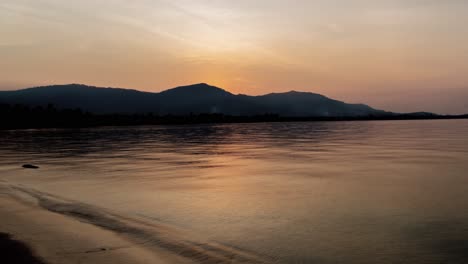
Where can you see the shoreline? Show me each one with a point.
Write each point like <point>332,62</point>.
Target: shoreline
<point>38,236</point>
<point>62,231</point>
<point>124,120</point>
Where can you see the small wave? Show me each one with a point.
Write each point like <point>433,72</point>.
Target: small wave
<point>140,231</point>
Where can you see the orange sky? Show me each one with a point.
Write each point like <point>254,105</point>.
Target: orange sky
<point>397,55</point>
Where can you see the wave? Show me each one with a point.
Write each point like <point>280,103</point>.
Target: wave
<point>140,231</point>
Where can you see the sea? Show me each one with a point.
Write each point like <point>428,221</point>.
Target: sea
<point>293,192</point>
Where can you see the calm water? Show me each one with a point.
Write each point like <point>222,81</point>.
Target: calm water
<point>331,192</point>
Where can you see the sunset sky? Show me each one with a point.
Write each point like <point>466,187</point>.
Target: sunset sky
<point>398,55</point>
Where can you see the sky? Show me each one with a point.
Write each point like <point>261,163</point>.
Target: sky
<point>397,55</point>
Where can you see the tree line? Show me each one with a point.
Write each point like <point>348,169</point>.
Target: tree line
<point>22,116</point>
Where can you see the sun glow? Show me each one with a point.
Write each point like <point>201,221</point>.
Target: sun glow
<point>361,52</point>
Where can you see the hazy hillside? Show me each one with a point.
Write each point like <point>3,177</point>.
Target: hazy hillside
<point>196,99</point>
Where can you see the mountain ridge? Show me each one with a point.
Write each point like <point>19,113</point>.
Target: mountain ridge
<point>184,100</point>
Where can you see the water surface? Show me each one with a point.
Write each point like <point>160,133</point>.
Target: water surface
<point>313,192</point>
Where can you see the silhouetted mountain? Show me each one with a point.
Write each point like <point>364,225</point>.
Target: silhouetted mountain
<point>93,99</point>
<point>193,99</point>
<point>310,104</point>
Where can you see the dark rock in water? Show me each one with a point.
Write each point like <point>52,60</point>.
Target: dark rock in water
<point>30,166</point>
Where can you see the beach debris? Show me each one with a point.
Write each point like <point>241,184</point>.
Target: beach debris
<point>30,166</point>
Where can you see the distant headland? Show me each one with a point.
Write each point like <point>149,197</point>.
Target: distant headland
<point>76,105</point>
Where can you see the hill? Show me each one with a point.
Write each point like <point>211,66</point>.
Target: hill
<point>193,99</point>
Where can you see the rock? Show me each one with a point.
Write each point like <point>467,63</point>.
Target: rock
<point>30,166</point>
